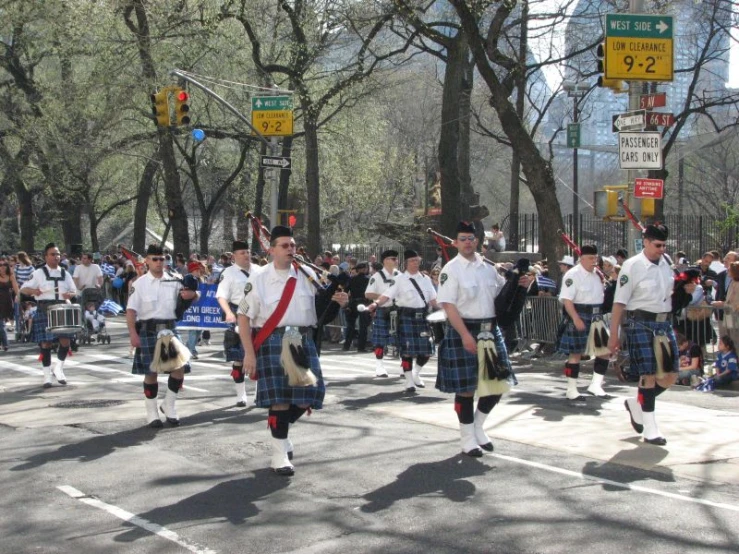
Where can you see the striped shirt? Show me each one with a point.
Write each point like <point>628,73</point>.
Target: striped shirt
<point>23,273</point>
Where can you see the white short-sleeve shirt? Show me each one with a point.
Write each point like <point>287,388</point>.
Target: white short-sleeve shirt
<point>38,280</point>
<point>406,295</point>
<point>153,298</point>
<point>381,281</point>
<point>581,287</point>
<point>643,285</point>
<point>232,284</point>
<point>471,286</point>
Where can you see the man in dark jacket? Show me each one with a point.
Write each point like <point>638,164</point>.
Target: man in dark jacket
<point>357,287</point>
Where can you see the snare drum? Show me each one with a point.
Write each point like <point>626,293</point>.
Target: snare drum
<point>64,319</point>
<point>436,321</point>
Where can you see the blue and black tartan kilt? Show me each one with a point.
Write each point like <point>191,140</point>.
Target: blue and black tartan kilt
<point>144,354</point>
<point>272,387</point>
<point>381,329</point>
<point>573,341</point>
<point>414,333</point>
<point>640,338</point>
<point>458,368</point>
<point>235,353</point>
<point>40,334</point>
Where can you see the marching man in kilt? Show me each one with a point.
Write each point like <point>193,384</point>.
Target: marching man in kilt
<point>279,305</point>
<point>413,292</point>
<point>49,285</point>
<point>379,283</point>
<point>582,297</point>
<point>151,316</point>
<point>472,354</point>
<point>644,292</point>
<point>230,293</point>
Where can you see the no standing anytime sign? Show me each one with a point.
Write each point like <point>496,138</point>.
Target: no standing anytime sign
<point>640,150</point>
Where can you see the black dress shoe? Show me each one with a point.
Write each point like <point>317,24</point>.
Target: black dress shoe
<point>488,447</point>
<point>474,453</point>
<point>171,420</point>
<point>658,441</point>
<point>156,424</point>
<point>241,404</point>
<point>286,471</point>
<point>578,401</point>
<point>48,385</point>
<point>410,390</point>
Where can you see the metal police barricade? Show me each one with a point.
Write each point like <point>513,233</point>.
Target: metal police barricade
<point>539,321</point>
<point>703,325</point>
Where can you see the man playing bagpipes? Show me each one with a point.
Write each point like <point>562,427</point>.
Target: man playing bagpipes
<point>156,301</point>
<point>230,293</point>
<point>378,284</point>
<point>472,354</point>
<point>584,332</point>
<point>644,292</point>
<point>413,292</point>
<point>279,305</point>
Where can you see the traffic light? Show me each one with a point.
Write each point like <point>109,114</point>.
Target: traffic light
<point>606,203</point>
<point>160,108</point>
<point>616,85</point>
<point>647,207</point>
<point>181,107</point>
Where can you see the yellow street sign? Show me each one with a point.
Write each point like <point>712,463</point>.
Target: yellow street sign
<point>639,59</point>
<point>273,123</point>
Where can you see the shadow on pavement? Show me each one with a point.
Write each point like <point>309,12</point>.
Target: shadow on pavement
<point>628,466</point>
<point>555,408</point>
<point>385,397</point>
<point>233,501</point>
<point>446,478</point>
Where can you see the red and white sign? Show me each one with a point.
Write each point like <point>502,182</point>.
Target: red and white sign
<point>649,101</point>
<point>660,119</point>
<point>649,188</point>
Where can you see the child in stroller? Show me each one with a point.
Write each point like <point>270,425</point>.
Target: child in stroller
<point>94,320</point>
<point>28,310</point>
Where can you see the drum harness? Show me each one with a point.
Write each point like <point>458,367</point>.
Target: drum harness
<point>43,304</point>
<point>392,310</point>
<point>419,315</point>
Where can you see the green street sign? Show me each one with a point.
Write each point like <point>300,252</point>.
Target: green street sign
<point>639,47</point>
<point>271,103</point>
<point>573,135</point>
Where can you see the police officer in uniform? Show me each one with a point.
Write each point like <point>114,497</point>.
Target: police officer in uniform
<point>50,284</point>
<point>357,289</point>
<point>378,284</point>
<point>413,292</point>
<point>467,290</point>
<point>230,293</point>
<point>582,297</point>
<point>151,308</point>
<point>644,293</point>
<point>265,289</point>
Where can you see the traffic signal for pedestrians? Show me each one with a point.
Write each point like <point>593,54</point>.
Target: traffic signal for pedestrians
<point>181,107</point>
<point>616,85</point>
<point>160,108</point>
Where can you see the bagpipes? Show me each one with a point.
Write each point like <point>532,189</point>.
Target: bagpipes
<point>133,257</point>
<point>261,233</point>
<point>509,303</point>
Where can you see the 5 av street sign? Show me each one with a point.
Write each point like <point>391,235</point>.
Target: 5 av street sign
<point>281,162</point>
<point>639,47</point>
<point>630,121</point>
<point>649,101</point>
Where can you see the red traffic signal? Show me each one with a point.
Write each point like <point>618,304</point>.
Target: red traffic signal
<point>182,108</point>
<point>182,96</point>
<point>292,220</point>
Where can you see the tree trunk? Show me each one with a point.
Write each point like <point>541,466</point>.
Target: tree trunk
<point>284,189</point>
<point>173,192</point>
<point>25,206</point>
<point>205,229</point>
<point>71,217</point>
<point>146,186</point>
<point>451,187</point>
<point>227,235</point>
<point>312,187</point>
<point>465,119</point>
<point>259,199</point>
<point>513,239</point>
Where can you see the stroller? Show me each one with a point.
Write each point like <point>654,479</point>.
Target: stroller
<point>89,333</point>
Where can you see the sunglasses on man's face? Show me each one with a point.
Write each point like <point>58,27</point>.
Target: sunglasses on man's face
<point>465,239</point>
<point>157,258</point>
<point>287,245</point>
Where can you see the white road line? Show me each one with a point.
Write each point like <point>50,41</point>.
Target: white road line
<point>21,368</point>
<point>626,486</point>
<point>134,519</point>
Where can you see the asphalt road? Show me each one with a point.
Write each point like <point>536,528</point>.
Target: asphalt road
<point>376,470</point>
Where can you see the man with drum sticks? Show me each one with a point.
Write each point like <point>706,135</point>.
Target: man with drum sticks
<point>51,284</point>
<point>472,354</point>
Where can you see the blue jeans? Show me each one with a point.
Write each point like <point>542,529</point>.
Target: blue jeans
<point>192,341</point>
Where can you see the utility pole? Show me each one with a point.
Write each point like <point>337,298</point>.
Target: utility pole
<point>635,89</point>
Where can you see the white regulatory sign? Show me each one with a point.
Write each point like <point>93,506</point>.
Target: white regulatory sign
<point>640,150</point>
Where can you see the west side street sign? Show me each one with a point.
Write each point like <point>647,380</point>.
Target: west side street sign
<point>630,121</point>
<point>280,162</point>
<point>640,150</point>
<point>639,47</point>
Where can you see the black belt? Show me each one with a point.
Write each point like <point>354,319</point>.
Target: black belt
<point>155,325</point>
<point>492,320</point>
<point>50,302</point>
<point>588,308</point>
<point>413,310</point>
<point>301,330</point>
<point>642,315</point>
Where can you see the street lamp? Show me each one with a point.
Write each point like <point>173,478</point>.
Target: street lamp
<point>576,91</point>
